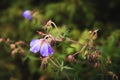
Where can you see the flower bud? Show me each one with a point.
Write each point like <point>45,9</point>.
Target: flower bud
<point>95,36</point>
<point>20,42</point>
<point>14,51</point>
<point>12,46</point>
<point>21,51</point>
<point>90,32</point>
<point>1,40</point>
<point>97,65</point>
<point>71,58</point>
<point>27,14</point>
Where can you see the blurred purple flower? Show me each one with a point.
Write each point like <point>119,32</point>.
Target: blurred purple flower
<point>42,46</point>
<point>27,14</point>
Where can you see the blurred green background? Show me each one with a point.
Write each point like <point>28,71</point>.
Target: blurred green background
<point>78,16</point>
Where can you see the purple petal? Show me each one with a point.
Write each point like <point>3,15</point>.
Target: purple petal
<point>50,50</point>
<point>35,45</point>
<point>34,41</point>
<point>27,14</point>
<point>46,49</point>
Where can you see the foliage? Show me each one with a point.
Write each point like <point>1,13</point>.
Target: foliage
<point>81,51</point>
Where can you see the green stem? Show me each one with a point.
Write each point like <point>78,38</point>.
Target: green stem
<point>55,26</point>
<point>80,50</point>
<point>66,75</point>
<point>54,63</point>
<point>57,61</point>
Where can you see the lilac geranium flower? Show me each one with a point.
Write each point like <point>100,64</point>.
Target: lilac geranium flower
<point>42,46</point>
<point>27,14</point>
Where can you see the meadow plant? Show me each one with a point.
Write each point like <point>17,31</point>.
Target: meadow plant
<point>88,53</point>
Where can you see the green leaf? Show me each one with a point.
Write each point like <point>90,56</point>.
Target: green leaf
<point>32,57</point>
<point>66,67</point>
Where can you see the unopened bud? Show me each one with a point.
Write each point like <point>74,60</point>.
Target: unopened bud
<point>48,24</point>
<point>1,40</point>
<point>21,51</point>
<point>90,57</point>
<point>97,65</point>
<point>20,42</point>
<point>12,46</point>
<point>71,58</point>
<point>14,51</point>
<point>41,33</point>
<point>95,36</point>
<point>90,32</point>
